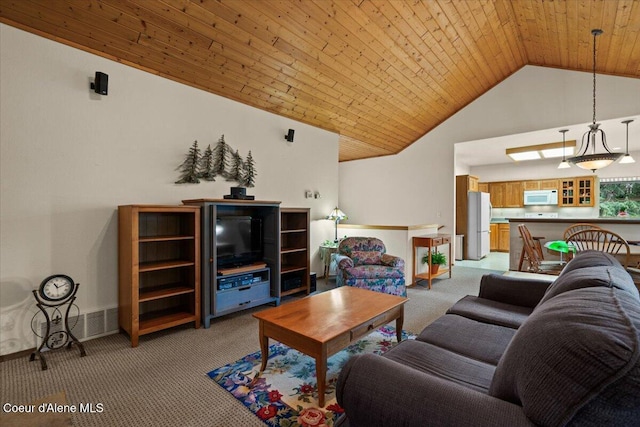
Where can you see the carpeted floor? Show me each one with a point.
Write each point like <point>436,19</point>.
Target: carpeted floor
<point>162,382</point>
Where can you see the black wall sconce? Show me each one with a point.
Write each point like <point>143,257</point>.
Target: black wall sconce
<point>101,83</point>
<point>289,135</point>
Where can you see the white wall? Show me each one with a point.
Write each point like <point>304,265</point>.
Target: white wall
<point>417,185</point>
<point>69,157</point>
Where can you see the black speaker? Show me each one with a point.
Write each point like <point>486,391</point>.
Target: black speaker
<point>289,135</point>
<point>101,83</point>
<point>312,283</point>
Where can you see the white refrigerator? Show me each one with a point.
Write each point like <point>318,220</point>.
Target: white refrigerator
<point>478,220</point>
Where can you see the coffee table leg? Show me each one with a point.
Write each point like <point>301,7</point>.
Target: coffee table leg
<point>264,347</point>
<point>399,324</point>
<point>321,376</point>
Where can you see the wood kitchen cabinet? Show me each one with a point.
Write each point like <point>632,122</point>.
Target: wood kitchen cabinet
<point>499,237</point>
<point>464,184</point>
<point>493,237</point>
<point>503,237</point>
<point>540,184</point>
<point>497,192</point>
<point>513,196</point>
<point>577,192</point>
<point>483,186</point>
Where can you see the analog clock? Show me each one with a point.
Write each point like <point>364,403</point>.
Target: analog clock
<point>57,287</point>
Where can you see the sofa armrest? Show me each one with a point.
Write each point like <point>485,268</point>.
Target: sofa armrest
<point>343,261</point>
<point>392,261</point>
<point>376,391</point>
<point>512,290</point>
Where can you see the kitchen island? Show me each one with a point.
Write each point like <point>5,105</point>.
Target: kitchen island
<point>553,229</point>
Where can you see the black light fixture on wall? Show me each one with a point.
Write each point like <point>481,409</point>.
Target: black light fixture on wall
<point>289,135</point>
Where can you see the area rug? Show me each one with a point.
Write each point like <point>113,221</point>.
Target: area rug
<point>285,394</point>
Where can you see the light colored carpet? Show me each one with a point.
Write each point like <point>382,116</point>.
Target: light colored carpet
<point>163,381</point>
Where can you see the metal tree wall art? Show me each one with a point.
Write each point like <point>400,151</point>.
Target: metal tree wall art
<point>236,169</point>
<point>206,165</point>
<point>190,167</point>
<point>221,161</point>
<point>249,172</point>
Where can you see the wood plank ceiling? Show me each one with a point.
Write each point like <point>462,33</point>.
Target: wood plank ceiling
<point>381,73</point>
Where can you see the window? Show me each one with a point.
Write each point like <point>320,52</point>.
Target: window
<point>620,197</point>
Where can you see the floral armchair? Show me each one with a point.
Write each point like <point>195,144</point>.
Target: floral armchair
<point>364,263</point>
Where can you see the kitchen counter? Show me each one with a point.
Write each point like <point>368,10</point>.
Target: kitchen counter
<point>553,229</point>
<point>576,220</point>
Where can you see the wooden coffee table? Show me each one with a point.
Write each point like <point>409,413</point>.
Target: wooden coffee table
<point>323,324</point>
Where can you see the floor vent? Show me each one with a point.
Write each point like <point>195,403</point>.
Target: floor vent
<point>95,323</point>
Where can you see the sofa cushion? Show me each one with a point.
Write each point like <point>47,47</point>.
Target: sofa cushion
<point>580,345</point>
<point>373,272</point>
<point>591,258</point>
<point>489,311</point>
<point>591,277</point>
<point>468,337</point>
<point>366,257</point>
<point>442,363</point>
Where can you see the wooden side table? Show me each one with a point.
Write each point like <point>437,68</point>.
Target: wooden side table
<point>430,241</point>
<point>326,253</point>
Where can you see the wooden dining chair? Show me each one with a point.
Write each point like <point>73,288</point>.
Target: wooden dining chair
<point>601,240</point>
<point>532,254</point>
<point>579,226</point>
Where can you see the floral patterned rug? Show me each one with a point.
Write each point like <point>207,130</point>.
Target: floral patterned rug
<point>286,395</point>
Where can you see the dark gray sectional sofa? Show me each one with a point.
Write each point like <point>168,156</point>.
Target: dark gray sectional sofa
<point>521,353</point>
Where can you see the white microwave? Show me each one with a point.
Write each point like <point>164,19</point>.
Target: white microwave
<point>540,197</point>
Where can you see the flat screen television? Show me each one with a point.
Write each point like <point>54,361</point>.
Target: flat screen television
<point>238,241</point>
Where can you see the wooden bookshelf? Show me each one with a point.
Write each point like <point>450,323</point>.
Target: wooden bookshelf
<point>158,268</point>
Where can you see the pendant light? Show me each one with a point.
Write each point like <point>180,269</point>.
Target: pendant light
<point>563,164</point>
<point>594,160</point>
<point>627,158</point>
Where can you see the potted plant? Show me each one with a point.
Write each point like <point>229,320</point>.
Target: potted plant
<point>437,259</point>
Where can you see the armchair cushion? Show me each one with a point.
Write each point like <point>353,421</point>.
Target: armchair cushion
<point>373,272</point>
<point>366,257</point>
<point>392,261</point>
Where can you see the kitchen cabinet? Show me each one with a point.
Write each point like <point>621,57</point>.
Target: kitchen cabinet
<point>497,192</point>
<point>577,192</point>
<point>549,184</point>
<point>513,196</point>
<point>499,237</point>
<point>464,184</point>
<point>493,237</point>
<point>473,183</point>
<point>540,184</point>
<point>483,186</point>
<point>503,237</point>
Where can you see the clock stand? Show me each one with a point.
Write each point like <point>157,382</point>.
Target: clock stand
<point>54,337</point>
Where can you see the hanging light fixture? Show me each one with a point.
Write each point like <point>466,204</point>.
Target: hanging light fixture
<point>594,160</point>
<point>627,158</point>
<point>563,164</point>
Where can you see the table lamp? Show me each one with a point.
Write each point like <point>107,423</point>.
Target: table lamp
<point>337,215</point>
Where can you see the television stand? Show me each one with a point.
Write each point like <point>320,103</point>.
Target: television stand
<point>241,269</point>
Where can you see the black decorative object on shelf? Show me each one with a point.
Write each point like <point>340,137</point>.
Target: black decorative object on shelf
<point>239,193</point>
<point>54,293</point>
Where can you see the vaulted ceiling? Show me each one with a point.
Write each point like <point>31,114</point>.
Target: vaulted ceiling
<point>381,73</point>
